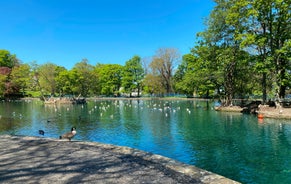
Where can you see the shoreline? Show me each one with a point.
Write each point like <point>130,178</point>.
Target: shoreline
<point>263,111</point>
<point>272,112</point>
<point>134,98</point>
<point>43,160</point>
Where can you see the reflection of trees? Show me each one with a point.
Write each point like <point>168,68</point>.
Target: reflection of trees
<point>132,124</point>
<point>15,117</point>
<point>159,125</point>
<point>219,141</point>
<point>9,125</point>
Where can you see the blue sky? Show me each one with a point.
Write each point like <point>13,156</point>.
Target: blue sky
<point>103,31</point>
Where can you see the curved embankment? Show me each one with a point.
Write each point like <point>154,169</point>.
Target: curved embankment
<point>43,160</point>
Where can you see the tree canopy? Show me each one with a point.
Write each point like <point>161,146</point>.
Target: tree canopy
<point>7,59</point>
<point>132,76</point>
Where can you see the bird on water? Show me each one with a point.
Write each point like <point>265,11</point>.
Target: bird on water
<point>41,132</point>
<point>69,135</point>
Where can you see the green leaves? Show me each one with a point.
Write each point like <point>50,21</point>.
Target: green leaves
<point>244,29</point>
<point>132,75</point>
<point>7,60</point>
<point>21,77</point>
<point>109,77</point>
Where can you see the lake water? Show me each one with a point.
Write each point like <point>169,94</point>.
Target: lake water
<point>234,145</point>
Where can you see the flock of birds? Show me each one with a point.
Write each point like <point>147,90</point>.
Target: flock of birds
<point>110,108</point>
<point>165,108</point>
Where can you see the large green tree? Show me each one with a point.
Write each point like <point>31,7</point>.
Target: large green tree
<point>219,39</point>
<point>45,76</point>
<point>132,75</point>
<point>184,78</point>
<point>85,80</point>
<point>222,65</point>
<point>67,82</point>
<point>21,78</point>
<point>7,59</point>
<point>109,77</point>
<point>266,34</point>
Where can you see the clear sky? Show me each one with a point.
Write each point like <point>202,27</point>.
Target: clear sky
<point>103,31</point>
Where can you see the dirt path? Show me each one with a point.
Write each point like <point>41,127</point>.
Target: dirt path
<point>42,160</point>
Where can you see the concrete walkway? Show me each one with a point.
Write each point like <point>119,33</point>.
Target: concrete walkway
<point>43,160</point>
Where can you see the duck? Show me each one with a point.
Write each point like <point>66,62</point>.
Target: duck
<point>69,135</point>
<point>41,132</point>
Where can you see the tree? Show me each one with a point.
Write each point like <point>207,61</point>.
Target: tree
<point>266,34</point>
<point>45,76</point>
<point>86,79</point>
<point>3,79</point>
<point>132,75</point>
<point>7,62</point>
<point>4,74</point>
<point>209,69</point>
<point>109,77</point>
<point>220,56</point>
<point>184,78</point>
<point>67,81</point>
<point>20,77</point>
<point>153,85</point>
<point>163,64</point>
<point>7,59</point>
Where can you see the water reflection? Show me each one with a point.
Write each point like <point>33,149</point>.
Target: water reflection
<point>231,144</point>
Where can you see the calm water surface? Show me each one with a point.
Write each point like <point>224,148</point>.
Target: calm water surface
<point>231,144</point>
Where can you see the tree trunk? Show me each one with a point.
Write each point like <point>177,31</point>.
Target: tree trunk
<point>264,87</point>
<point>229,83</point>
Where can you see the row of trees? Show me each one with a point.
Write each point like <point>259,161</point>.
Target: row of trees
<point>245,50</point>
<point>19,79</point>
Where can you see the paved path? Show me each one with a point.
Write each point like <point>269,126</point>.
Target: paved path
<point>43,160</point>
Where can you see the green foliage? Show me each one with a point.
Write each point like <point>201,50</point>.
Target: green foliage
<point>3,79</point>
<point>132,75</point>
<point>7,59</point>
<point>7,62</point>
<point>46,77</point>
<point>66,80</point>
<point>85,80</point>
<point>20,77</point>
<point>153,85</point>
<point>265,33</point>
<point>33,94</point>
<point>109,77</point>
<point>185,76</point>
<point>245,48</point>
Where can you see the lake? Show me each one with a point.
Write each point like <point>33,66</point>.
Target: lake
<point>235,145</point>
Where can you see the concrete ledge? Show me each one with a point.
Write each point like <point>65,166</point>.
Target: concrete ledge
<point>44,160</point>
